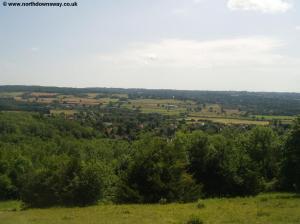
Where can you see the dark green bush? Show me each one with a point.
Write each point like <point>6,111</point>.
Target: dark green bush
<point>156,171</point>
<point>7,189</point>
<point>220,165</point>
<point>72,183</point>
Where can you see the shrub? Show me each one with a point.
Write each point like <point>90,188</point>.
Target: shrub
<point>163,201</point>
<point>71,183</point>
<point>223,168</point>
<point>7,189</point>
<point>157,170</point>
<point>200,204</point>
<point>194,220</point>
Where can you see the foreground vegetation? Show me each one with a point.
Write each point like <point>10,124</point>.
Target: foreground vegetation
<point>266,208</point>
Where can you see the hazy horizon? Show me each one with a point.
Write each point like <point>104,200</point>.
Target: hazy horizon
<point>227,45</point>
<point>128,88</point>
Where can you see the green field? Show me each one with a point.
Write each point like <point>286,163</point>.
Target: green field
<point>65,112</point>
<point>10,94</point>
<point>263,209</point>
<point>211,112</point>
<point>228,121</point>
<point>270,117</point>
<point>165,107</point>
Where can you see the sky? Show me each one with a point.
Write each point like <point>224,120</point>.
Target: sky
<point>251,45</point>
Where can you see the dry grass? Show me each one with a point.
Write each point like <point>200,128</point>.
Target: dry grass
<point>39,94</point>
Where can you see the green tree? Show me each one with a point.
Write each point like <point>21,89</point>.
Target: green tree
<point>65,181</point>
<point>220,166</point>
<point>264,149</point>
<point>291,164</point>
<point>156,171</point>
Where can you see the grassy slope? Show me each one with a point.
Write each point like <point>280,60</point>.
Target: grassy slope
<point>268,208</point>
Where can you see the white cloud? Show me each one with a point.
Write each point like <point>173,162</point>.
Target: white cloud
<point>246,63</point>
<point>298,28</point>
<point>174,53</point>
<point>252,63</point>
<point>265,6</point>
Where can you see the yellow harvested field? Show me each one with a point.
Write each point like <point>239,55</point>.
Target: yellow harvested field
<point>35,94</point>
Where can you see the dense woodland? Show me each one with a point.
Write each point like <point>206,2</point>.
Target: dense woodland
<point>48,161</point>
<point>123,156</point>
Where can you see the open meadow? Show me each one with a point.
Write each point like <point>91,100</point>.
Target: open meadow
<point>274,208</point>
